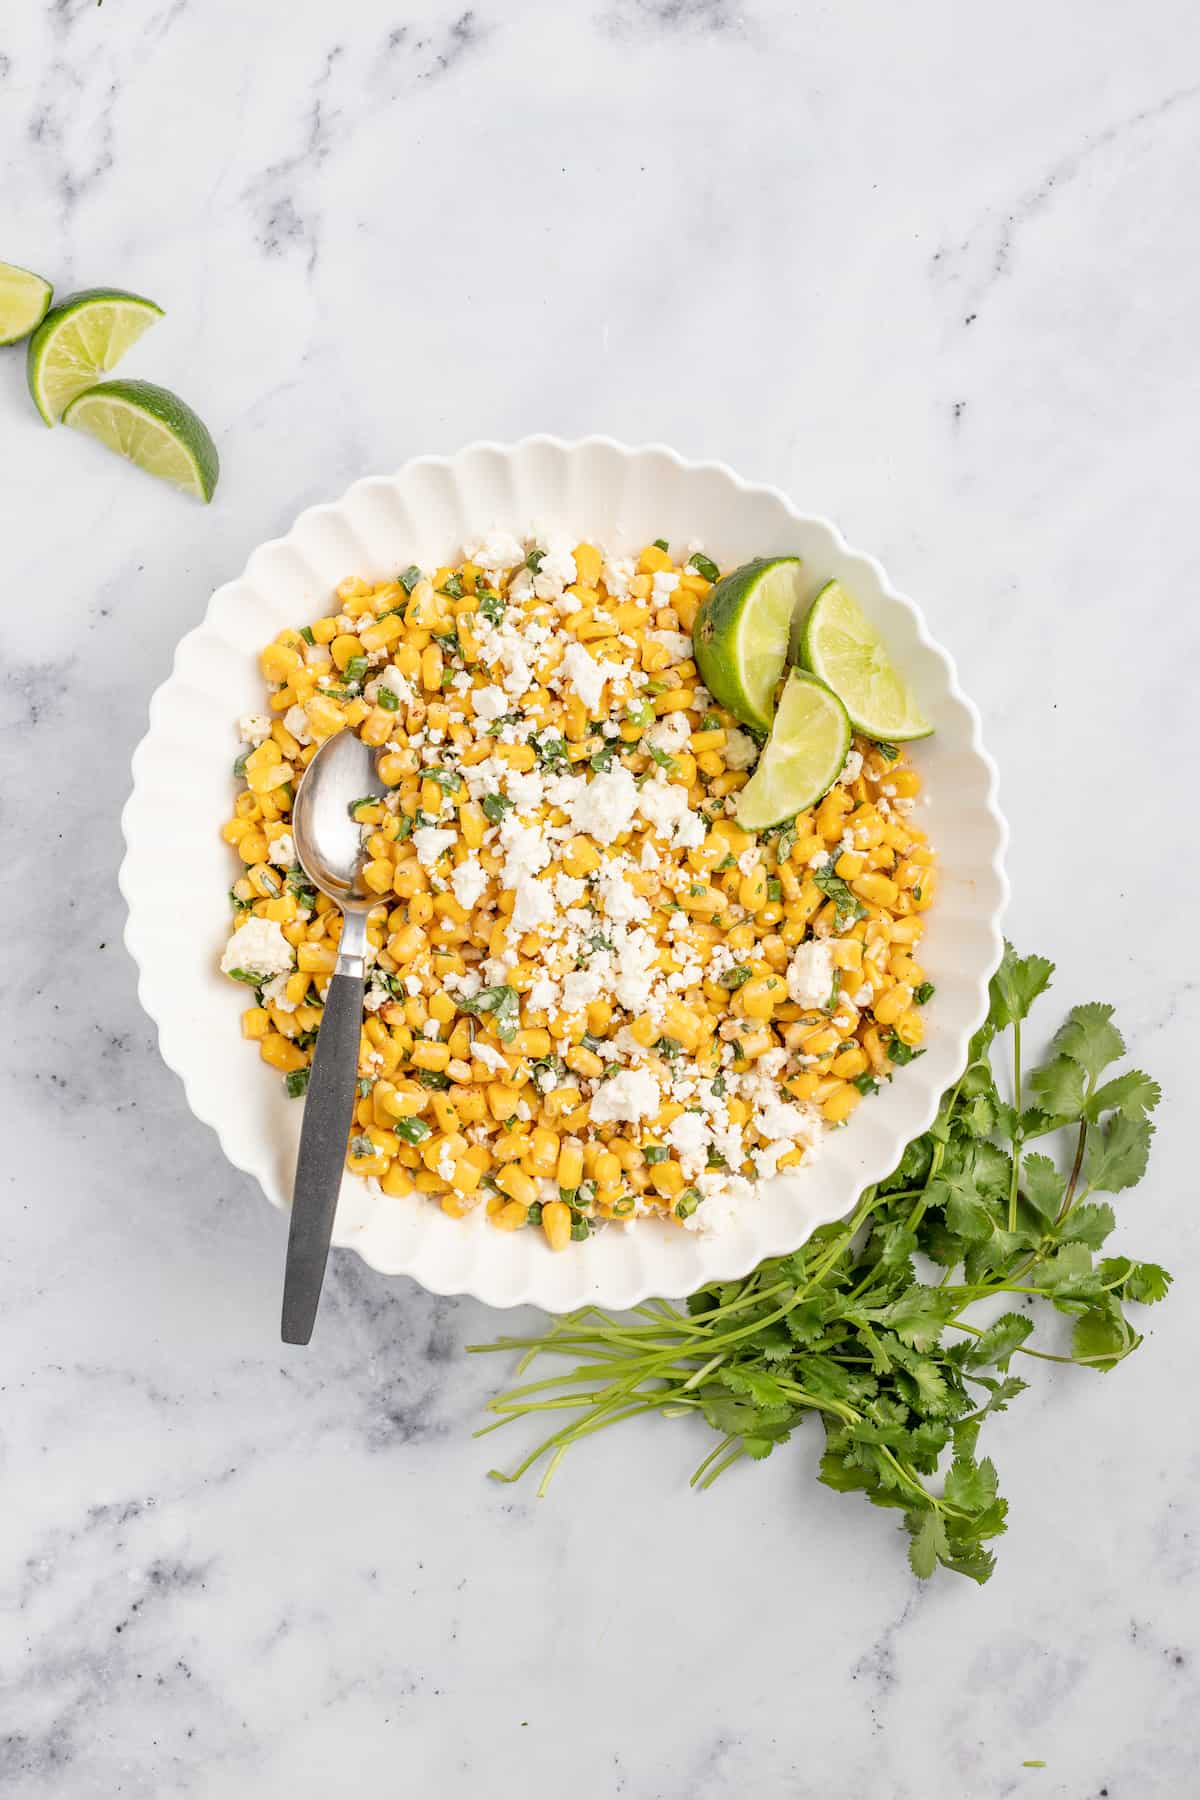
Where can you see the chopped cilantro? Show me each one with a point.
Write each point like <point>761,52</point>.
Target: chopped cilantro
<point>865,1083</point>
<point>735,977</point>
<point>534,560</point>
<point>661,544</point>
<point>433,1078</point>
<point>296,1083</point>
<point>662,759</point>
<point>774,888</point>
<point>385,698</point>
<point>413,1130</point>
<point>848,906</point>
<point>362,1146</point>
<point>239,764</point>
<point>889,752</point>
<point>449,780</point>
<point>603,759</point>
<point>306,634</point>
<point>924,994</point>
<point>355,670</point>
<point>495,806</point>
<point>453,586</point>
<point>502,1002</point>
<point>704,565</point>
<point>491,606</point>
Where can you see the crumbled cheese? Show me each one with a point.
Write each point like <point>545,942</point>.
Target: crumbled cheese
<point>852,768</point>
<point>662,802</point>
<point>275,993</point>
<point>740,751</point>
<point>690,833</point>
<point>258,947</point>
<point>497,552</point>
<point>469,882</point>
<point>526,851</point>
<point>616,573</point>
<point>631,1094</point>
<point>810,975</point>
<point>489,703</point>
<point>586,675</point>
<point>431,1029</point>
<point>282,851</point>
<point>295,720</point>
<point>253,728</point>
<point>604,806</point>
<point>670,733</point>
<point>621,903</point>
<point>431,842</point>
<point>663,585</point>
<point>490,1058</point>
<point>534,907</point>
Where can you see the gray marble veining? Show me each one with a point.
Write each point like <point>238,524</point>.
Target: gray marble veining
<point>935,271</point>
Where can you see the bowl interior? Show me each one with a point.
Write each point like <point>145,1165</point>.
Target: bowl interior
<point>177,869</point>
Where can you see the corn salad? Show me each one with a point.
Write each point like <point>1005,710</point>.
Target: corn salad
<point>592,996</point>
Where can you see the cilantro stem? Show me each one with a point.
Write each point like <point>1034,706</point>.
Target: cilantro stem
<point>1014,1180</point>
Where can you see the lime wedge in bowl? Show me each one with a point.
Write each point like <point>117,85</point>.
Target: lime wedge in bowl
<point>741,636</point>
<point>841,646</point>
<point>24,301</point>
<point>81,339</point>
<point>154,428</point>
<point>803,756</point>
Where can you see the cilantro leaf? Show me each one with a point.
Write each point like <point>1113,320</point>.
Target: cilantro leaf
<point>1043,1186</point>
<point>502,1002</point>
<point>1016,985</point>
<point>971,1486</point>
<point>1130,1093</point>
<point>1090,1037</point>
<point>929,1545</point>
<point>1059,1087</point>
<point>1117,1153</point>
<point>998,1343</point>
<point>849,907</point>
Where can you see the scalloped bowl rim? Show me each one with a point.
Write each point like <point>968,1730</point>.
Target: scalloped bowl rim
<point>490,1271</point>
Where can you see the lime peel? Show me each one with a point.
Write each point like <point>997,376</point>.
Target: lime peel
<point>741,636</point>
<point>79,340</point>
<point>24,302</point>
<point>153,428</point>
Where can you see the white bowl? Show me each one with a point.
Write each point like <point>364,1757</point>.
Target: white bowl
<point>177,870</point>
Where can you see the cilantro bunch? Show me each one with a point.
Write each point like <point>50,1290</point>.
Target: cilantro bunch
<point>899,1327</point>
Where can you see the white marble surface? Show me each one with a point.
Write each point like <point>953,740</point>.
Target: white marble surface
<point>934,269</point>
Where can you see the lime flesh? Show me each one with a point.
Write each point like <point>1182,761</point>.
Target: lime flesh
<point>841,646</point>
<point>80,340</point>
<point>154,428</point>
<point>741,636</point>
<point>803,756</point>
<point>24,301</point>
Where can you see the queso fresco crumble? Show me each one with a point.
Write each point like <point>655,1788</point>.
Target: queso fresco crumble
<point>591,995</point>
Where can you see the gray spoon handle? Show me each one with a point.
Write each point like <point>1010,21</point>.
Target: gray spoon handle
<point>328,1112</point>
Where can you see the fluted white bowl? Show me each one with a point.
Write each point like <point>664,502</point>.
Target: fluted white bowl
<point>177,870</point>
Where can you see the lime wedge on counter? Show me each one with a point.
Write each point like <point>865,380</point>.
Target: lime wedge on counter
<point>803,756</point>
<point>24,302</point>
<point>154,428</point>
<point>80,340</point>
<point>841,646</point>
<point>741,636</point>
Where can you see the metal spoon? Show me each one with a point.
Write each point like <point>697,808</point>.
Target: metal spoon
<point>329,850</point>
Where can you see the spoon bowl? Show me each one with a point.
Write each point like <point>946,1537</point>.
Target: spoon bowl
<point>328,842</point>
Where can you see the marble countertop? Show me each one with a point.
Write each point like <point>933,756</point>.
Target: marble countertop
<point>935,270</point>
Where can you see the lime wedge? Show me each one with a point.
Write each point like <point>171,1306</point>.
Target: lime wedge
<point>840,644</point>
<point>803,755</point>
<point>24,300</point>
<point>81,339</point>
<point>154,428</point>
<point>741,636</point>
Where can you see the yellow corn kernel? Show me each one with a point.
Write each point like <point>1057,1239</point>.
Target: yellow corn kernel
<point>343,647</point>
<point>850,1063</point>
<point>580,857</point>
<point>316,959</point>
<point>910,1027</point>
<point>584,1061</point>
<point>840,1103</point>
<point>652,559</point>
<point>275,1049</point>
<point>880,890</point>
<point>889,1006</point>
<point>513,1181</point>
<point>569,1172</point>
<point>279,662</point>
<point>429,1055</point>
<point>502,1099</point>
<point>759,997</point>
<point>556,1224</point>
<point>256,1022</point>
<point>752,888</point>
